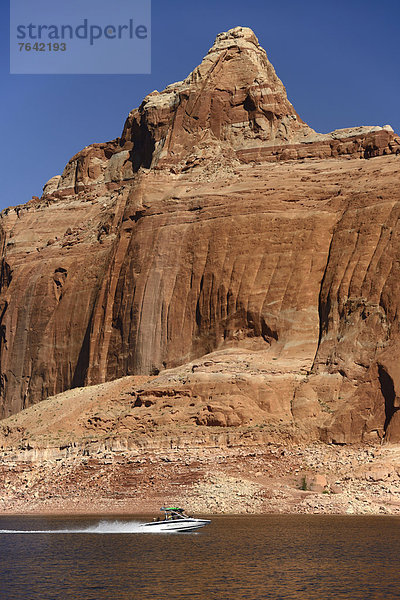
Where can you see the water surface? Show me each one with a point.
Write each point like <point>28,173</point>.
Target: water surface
<point>279,557</point>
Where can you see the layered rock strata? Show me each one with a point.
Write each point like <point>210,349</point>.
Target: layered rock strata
<point>222,238</point>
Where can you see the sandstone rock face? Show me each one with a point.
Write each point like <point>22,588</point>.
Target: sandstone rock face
<point>231,102</point>
<point>221,242</point>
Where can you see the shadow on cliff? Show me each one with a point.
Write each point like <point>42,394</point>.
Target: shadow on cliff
<point>81,369</point>
<point>388,392</point>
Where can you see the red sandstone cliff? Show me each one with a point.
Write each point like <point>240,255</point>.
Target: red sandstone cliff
<point>219,224</point>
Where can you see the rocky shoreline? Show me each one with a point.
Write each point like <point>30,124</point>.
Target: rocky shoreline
<point>262,479</point>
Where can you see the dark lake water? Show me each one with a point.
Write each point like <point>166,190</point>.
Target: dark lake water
<point>278,557</point>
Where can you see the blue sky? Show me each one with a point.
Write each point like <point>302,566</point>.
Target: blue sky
<point>339,61</point>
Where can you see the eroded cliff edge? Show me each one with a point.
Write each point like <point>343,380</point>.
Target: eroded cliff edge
<point>221,246</point>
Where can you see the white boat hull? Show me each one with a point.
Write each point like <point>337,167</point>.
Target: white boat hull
<point>175,525</point>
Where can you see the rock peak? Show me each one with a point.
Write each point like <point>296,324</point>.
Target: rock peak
<point>234,100</point>
<point>237,36</point>
<point>231,108</point>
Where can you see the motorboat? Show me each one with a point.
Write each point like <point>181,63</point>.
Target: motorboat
<point>174,519</point>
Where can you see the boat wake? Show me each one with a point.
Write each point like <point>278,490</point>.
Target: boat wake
<point>103,527</point>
